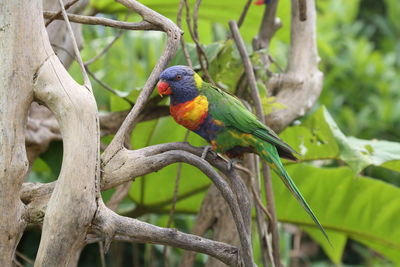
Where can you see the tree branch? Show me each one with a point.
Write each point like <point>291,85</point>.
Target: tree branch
<point>127,165</point>
<point>135,230</point>
<point>300,86</point>
<point>173,39</point>
<point>260,114</point>
<point>143,25</point>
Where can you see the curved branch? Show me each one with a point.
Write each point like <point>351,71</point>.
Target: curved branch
<point>127,165</point>
<point>66,223</point>
<point>173,40</point>
<point>90,20</point>
<point>111,224</point>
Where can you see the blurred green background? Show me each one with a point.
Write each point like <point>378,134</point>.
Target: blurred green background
<point>350,164</point>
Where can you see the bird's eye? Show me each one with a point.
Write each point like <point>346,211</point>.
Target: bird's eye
<point>178,77</point>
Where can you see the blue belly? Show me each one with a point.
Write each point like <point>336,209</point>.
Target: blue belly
<point>208,129</point>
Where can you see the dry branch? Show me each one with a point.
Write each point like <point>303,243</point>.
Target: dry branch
<point>260,114</point>
<point>90,20</point>
<point>300,86</point>
<point>173,39</point>
<point>141,232</point>
<point>126,165</point>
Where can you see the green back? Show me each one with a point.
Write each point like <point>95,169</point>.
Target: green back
<point>228,109</point>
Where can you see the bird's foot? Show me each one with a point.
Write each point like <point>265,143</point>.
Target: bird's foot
<point>208,149</point>
<point>232,163</point>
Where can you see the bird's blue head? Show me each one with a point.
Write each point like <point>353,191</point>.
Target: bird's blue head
<point>180,82</point>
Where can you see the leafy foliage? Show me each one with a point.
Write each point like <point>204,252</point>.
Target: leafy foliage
<point>359,45</point>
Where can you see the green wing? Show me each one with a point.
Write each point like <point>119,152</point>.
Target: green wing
<point>228,109</point>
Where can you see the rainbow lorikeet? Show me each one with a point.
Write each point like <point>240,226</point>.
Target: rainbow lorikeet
<point>225,123</point>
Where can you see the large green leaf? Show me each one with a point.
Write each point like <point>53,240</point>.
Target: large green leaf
<point>363,209</point>
<point>319,137</point>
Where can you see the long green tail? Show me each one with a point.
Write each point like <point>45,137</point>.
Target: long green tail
<point>269,153</point>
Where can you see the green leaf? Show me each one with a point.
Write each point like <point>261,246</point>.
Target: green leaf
<point>338,240</point>
<point>363,209</point>
<point>319,137</point>
<point>378,152</point>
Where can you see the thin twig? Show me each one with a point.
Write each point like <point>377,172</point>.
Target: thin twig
<point>91,20</point>
<point>201,54</point>
<point>265,241</point>
<point>269,194</point>
<point>183,43</point>
<point>24,257</point>
<point>107,87</point>
<point>102,252</point>
<point>244,13</point>
<point>86,79</point>
<point>259,111</point>
<point>93,59</point>
<point>119,194</point>
<point>174,200</point>
<point>259,202</point>
<point>57,14</point>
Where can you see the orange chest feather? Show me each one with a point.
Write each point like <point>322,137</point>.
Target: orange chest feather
<point>190,114</point>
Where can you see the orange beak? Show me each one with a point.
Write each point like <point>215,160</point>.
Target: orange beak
<point>163,88</point>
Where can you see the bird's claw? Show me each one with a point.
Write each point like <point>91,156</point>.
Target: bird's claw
<point>207,149</point>
<point>232,162</point>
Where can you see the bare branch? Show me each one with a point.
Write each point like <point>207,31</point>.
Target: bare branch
<point>143,25</point>
<point>260,114</point>
<point>99,55</point>
<point>201,54</point>
<point>127,165</point>
<point>269,25</point>
<point>183,44</point>
<point>174,200</point>
<point>244,13</point>
<point>300,86</point>
<point>87,83</point>
<point>107,87</point>
<point>135,230</point>
<point>173,38</point>
<point>58,14</point>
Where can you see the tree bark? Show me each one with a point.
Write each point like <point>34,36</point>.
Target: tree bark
<point>17,68</point>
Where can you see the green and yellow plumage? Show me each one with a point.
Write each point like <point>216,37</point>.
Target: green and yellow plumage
<point>223,120</point>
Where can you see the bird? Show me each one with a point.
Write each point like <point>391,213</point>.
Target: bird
<point>224,122</point>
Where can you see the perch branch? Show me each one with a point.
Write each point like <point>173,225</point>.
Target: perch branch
<point>127,165</point>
